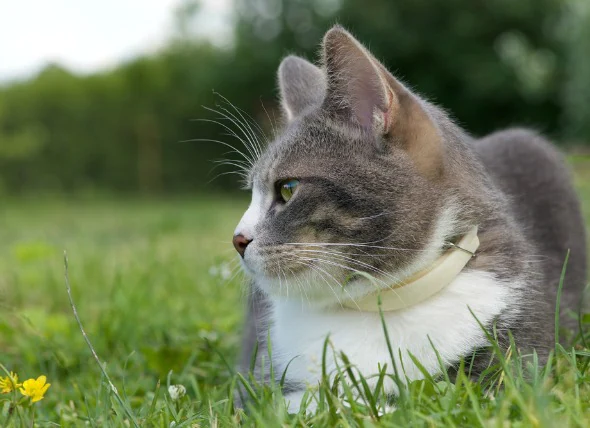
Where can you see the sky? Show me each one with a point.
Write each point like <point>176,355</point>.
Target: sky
<point>88,35</point>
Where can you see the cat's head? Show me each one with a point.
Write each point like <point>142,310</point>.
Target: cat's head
<point>356,182</point>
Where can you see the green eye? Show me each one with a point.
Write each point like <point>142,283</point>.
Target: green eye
<point>288,188</point>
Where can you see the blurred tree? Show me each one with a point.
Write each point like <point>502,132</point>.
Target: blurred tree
<point>492,63</point>
<point>184,17</point>
<point>576,88</point>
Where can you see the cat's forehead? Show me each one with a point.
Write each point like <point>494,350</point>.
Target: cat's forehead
<point>308,146</point>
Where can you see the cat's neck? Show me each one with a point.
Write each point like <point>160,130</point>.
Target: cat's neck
<point>423,284</point>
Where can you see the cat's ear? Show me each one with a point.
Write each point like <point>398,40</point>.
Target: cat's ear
<point>361,90</point>
<point>356,86</point>
<point>302,84</point>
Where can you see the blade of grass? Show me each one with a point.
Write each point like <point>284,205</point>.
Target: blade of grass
<point>127,410</point>
<point>558,303</point>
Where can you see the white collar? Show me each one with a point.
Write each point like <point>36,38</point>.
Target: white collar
<point>424,283</point>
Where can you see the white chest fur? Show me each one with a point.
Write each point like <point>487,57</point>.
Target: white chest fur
<point>300,331</point>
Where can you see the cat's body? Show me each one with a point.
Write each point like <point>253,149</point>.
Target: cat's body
<point>384,180</point>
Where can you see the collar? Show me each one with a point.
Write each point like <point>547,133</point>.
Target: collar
<point>424,283</point>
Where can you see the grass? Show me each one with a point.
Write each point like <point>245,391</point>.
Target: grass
<point>153,285</point>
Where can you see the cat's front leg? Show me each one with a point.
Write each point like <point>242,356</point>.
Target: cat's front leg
<point>254,344</point>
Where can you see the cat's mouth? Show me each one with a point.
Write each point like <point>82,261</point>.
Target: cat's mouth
<point>274,262</point>
<point>310,273</point>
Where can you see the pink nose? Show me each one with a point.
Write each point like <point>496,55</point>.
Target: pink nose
<point>240,244</point>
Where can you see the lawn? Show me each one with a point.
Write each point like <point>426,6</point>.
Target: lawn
<point>157,290</point>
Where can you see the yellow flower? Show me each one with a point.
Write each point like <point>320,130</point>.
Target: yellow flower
<point>9,383</point>
<point>35,388</point>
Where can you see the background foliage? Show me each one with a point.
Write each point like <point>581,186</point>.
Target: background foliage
<point>492,63</point>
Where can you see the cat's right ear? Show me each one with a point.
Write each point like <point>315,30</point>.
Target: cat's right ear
<point>302,84</point>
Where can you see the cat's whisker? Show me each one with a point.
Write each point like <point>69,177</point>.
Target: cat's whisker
<point>330,262</point>
<point>228,173</point>
<point>315,267</point>
<point>232,133</point>
<point>245,143</point>
<point>274,130</point>
<point>300,283</point>
<point>280,264</point>
<point>373,216</point>
<point>336,253</point>
<point>284,275</point>
<point>305,293</point>
<point>231,162</point>
<point>236,271</point>
<point>240,162</point>
<point>334,263</point>
<point>363,254</point>
<point>339,254</point>
<point>223,143</point>
<point>237,171</point>
<point>327,244</point>
<point>277,266</point>
<point>317,270</point>
<point>243,124</point>
<point>255,148</point>
<point>278,269</point>
<point>350,259</point>
<point>286,283</point>
<point>248,119</point>
<point>245,127</point>
<point>241,170</point>
<point>378,240</point>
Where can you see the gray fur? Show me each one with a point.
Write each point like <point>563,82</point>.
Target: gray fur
<point>532,173</point>
<point>359,186</point>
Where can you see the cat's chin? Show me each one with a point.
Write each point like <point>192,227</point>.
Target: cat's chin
<point>311,290</point>
<point>328,287</point>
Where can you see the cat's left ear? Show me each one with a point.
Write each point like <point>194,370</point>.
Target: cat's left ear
<point>302,85</point>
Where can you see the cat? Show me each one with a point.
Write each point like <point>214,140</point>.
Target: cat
<point>370,189</point>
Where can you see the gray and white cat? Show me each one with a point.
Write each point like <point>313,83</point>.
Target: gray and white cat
<point>366,176</point>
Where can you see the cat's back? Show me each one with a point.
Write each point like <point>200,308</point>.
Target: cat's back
<point>534,175</point>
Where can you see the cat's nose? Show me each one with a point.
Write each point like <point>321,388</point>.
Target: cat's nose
<point>240,243</point>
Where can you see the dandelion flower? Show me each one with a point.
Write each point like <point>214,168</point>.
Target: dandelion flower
<point>176,392</point>
<point>9,383</point>
<point>35,388</point>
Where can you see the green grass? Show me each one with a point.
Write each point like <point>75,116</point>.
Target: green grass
<point>152,285</point>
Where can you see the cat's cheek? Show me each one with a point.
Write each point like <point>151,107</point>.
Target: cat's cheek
<point>246,268</point>
<point>251,263</point>
<point>255,262</point>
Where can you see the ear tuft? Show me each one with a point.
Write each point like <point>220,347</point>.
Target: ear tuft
<point>302,85</point>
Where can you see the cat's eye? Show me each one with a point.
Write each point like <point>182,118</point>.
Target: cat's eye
<point>287,188</point>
